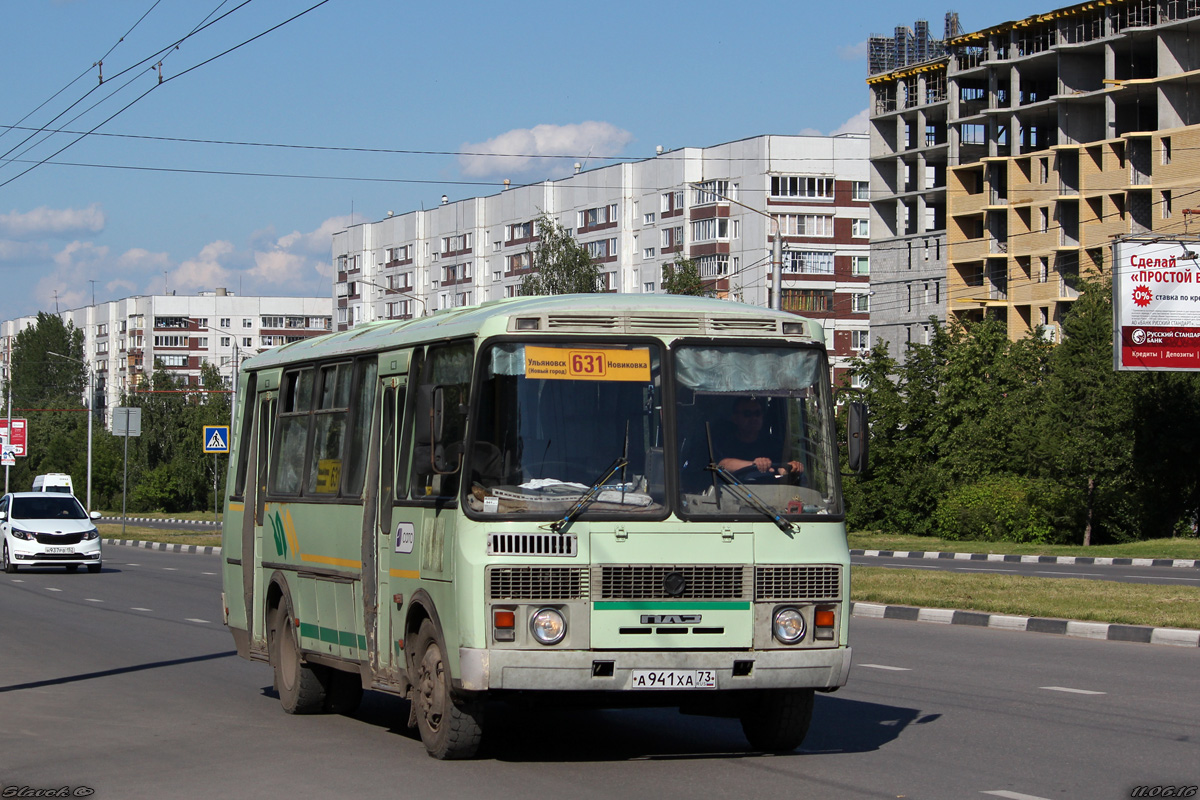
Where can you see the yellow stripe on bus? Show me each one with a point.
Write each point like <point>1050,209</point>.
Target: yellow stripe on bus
<point>237,507</point>
<point>404,573</point>
<point>333,562</point>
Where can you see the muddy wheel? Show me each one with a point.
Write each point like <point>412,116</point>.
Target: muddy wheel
<point>450,727</point>
<point>777,720</point>
<point>301,686</point>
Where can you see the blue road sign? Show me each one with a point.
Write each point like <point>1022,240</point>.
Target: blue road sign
<point>216,438</point>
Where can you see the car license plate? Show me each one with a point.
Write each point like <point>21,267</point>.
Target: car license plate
<point>60,549</point>
<point>674,679</point>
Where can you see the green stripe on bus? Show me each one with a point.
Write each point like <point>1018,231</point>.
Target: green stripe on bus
<point>333,636</point>
<point>682,606</point>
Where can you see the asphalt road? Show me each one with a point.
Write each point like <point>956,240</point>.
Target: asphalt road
<point>1181,576</point>
<point>125,683</point>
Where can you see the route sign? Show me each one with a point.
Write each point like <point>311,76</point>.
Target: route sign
<point>127,421</point>
<point>17,440</point>
<point>216,438</point>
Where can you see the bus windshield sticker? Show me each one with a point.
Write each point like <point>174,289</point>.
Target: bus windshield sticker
<point>555,363</point>
<point>406,536</point>
<point>329,475</point>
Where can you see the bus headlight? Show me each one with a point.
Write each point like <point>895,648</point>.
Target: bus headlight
<point>788,625</point>
<point>548,626</point>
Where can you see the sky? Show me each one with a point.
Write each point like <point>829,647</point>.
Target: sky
<point>229,140</point>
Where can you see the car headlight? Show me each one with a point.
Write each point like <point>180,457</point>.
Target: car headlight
<point>789,625</point>
<point>90,535</point>
<point>548,626</point>
<point>26,535</point>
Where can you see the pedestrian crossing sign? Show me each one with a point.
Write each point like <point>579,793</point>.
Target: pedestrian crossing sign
<point>216,438</point>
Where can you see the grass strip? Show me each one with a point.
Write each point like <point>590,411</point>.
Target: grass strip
<point>1061,598</point>
<point>142,534</point>
<point>1151,548</point>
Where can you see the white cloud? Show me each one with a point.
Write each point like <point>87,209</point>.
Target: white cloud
<point>139,258</point>
<point>856,124</point>
<point>278,267</point>
<point>853,52</point>
<point>53,221</point>
<point>205,271</point>
<point>524,149</point>
<point>69,283</point>
<point>317,242</point>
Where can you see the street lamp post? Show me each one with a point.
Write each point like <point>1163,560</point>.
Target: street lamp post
<point>91,402</point>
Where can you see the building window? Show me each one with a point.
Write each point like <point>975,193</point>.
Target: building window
<point>601,249</point>
<point>247,341</point>
<point>1166,205</point>
<point>648,219</point>
<point>1044,170</point>
<point>670,202</point>
<point>715,266</point>
<point>805,224</point>
<point>860,340</point>
<point>648,252</point>
<point>712,229</point>
<point>520,230</point>
<point>456,244</point>
<point>796,187</point>
<point>672,237</point>
<point>101,347</point>
<point>808,261</point>
<point>1043,269</point>
<point>249,323</point>
<point>171,322</point>
<point>648,287</point>
<point>170,341</point>
<point>860,190</point>
<point>224,322</point>
<point>860,228</point>
<point>592,217</point>
<point>710,192</point>
<point>398,253</point>
<point>820,300</point>
<point>860,265</point>
<point>272,322</point>
<point>1166,150</point>
<point>861,303</point>
<point>225,341</point>
<point>173,361</point>
<point>1044,219</point>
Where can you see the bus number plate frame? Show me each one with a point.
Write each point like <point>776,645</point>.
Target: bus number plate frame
<point>673,679</point>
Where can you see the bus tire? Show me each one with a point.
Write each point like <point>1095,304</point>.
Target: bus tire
<point>450,727</point>
<point>344,692</point>
<point>301,686</point>
<point>777,720</point>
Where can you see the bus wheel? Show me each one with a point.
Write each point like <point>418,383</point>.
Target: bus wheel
<point>9,566</point>
<point>344,692</point>
<point>777,720</point>
<point>300,686</point>
<point>450,727</point>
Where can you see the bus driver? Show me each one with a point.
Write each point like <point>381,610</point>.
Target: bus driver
<point>743,444</point>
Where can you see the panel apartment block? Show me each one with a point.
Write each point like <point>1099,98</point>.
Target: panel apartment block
<point>716,205</point>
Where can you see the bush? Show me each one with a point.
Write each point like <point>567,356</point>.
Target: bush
<point>1001,508</point>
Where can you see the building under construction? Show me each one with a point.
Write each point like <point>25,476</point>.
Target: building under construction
<point>1004,161</point>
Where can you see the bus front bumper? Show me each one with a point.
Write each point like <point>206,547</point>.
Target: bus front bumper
<point>588,670</point>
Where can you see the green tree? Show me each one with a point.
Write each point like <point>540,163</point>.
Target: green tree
<point>562,265</point>
<point>683,277</point>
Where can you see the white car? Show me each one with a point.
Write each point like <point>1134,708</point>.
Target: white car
<point>48,530</point>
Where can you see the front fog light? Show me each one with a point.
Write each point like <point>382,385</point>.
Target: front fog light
<point>789,625</point>
<point>548,626</point>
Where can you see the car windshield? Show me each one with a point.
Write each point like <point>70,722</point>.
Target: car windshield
<point>48,507</point>
<point>755,421</point>
<point>555,419</point>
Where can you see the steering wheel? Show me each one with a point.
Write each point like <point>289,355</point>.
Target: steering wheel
<point>751,474</point>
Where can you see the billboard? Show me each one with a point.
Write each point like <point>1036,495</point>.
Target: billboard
<point>1156,304</point>
<point>17,440</point>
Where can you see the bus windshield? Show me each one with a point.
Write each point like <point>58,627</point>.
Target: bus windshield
<point>754,420</point>
<point>554,419</point>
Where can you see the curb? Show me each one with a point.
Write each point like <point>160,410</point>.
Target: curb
<point>113,520</point>
<point>1089,560</point>
<point>1104,631</point>
<point>169,548</point>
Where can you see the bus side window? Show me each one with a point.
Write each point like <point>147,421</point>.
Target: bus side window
<point>324,475</point>
<point>243,439</point>
<point>448,368</point>
<point>295,405</point>
<point>362,406</point>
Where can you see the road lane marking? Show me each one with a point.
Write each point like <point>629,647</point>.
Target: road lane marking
<point>203,621</point>
<point>171,569</point>
<point>981,569</point>
<point>17,580</point>
<point>1013,795</point>
<point>1159,578</point>
<point>1069,690</point>
<point>885,666</point>
<point>94,600</point>
<point>1071,574</point>
<point>139,609</point>
<point>208,573</point>
<point>52,589</point>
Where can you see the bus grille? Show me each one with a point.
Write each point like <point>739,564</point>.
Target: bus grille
<point>537,583</point>
<point>798,583</point>
<point>532,544</point>
<point>648,582</point>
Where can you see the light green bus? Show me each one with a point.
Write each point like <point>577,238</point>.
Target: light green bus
<point>630,500</point>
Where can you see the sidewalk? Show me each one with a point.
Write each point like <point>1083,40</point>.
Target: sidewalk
<point>1103,562</point>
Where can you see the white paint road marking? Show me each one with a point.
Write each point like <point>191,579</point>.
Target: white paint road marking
<point>1073,574</point>
<point>885,666</point>
<point>208,573</point>
<point>139,609</point>
<point>94,600</point>
<point>1013,795</point>
<point>52,589</point>
<point>1158,578</point>
<point>982,569</point>
<point>203,621</point>
<point>171,569</point>
<point>1069,690</point>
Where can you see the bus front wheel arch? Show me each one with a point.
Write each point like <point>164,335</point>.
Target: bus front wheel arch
<point>301,686</point>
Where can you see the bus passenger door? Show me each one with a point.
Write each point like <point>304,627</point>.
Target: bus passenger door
<point>388,538</point>
<point>252,530</point>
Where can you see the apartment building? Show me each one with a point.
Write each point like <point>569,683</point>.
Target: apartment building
<point>124,339</point>
<point>716,205</point>
<point>1061,131</point>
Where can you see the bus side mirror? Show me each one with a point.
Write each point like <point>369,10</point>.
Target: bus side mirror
<point>856,437</point>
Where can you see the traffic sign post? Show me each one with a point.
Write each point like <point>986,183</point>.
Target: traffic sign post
<point>126,421</point>
<point>216,440</point>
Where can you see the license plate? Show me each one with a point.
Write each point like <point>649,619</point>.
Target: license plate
<point>674,679</point>
<point>60,549</point>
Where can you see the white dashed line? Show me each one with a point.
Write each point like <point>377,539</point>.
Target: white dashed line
<point>1013,795</point>
<point>94,600</point>
<point>208,573</point>
<point>885,666</point>
<point>1158,578</point>
<point>1069,690</point>
<point>1073,574</point>
<point>139,609</point>
<point>171,569</point>
<point>201,621</point>
<point>52,589</point>
<point>17,580</point>
<point>983,569</point>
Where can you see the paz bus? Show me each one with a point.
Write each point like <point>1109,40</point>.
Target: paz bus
<point>528,500</point>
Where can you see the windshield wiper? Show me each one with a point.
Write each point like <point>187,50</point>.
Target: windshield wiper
<point>593,490</point>
<point>743,493</point>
